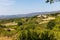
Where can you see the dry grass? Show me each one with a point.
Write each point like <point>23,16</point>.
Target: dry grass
<point>9,24</point>
<point>5,38</point>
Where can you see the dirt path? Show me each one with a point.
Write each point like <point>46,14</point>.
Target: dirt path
<point>11,23</point>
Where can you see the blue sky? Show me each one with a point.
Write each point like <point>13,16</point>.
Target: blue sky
<point>12,7</point>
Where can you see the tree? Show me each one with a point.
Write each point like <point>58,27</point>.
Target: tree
<point>51,24</point>
<point>51,1</point>
<point>55,14</point>
<point>19,23</point>
<point>32,35</point>
<point>47,36</point>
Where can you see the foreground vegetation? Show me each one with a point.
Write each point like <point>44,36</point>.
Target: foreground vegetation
<point>31,28</point>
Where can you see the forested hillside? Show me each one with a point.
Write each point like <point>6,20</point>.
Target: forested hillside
<point>39,27</point>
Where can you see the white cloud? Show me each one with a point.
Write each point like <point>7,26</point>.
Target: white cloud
<point>6,2</point>
<point>5,6</point>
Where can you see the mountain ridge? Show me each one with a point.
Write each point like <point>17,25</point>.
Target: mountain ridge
<point>26,15</point>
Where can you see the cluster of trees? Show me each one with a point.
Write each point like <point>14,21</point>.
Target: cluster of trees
<point>51,24</point>
<point>30,29</point>
<point>29,33</point>
<point>33,35</point>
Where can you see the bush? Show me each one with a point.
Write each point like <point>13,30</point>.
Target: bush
<point>51,24</point>
<point>19,23</point>
<point>32,35</point>
<point>47,36</point>
<point>2,26</point>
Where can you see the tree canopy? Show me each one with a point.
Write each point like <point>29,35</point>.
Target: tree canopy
<point>51,1</point>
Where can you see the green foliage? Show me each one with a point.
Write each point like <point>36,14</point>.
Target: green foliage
<point>57,26</point>
<point>30,29</point>
<point>51,1</point>
<point>47,36</point>
<point>32,35</point>
<point>51,24</point>
<point>19,23</point>
<point>2,26</point>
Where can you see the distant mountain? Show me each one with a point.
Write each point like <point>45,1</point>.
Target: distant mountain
<point>26,15</point>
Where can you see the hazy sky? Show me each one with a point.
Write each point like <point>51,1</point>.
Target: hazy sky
<point>9,7</point>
